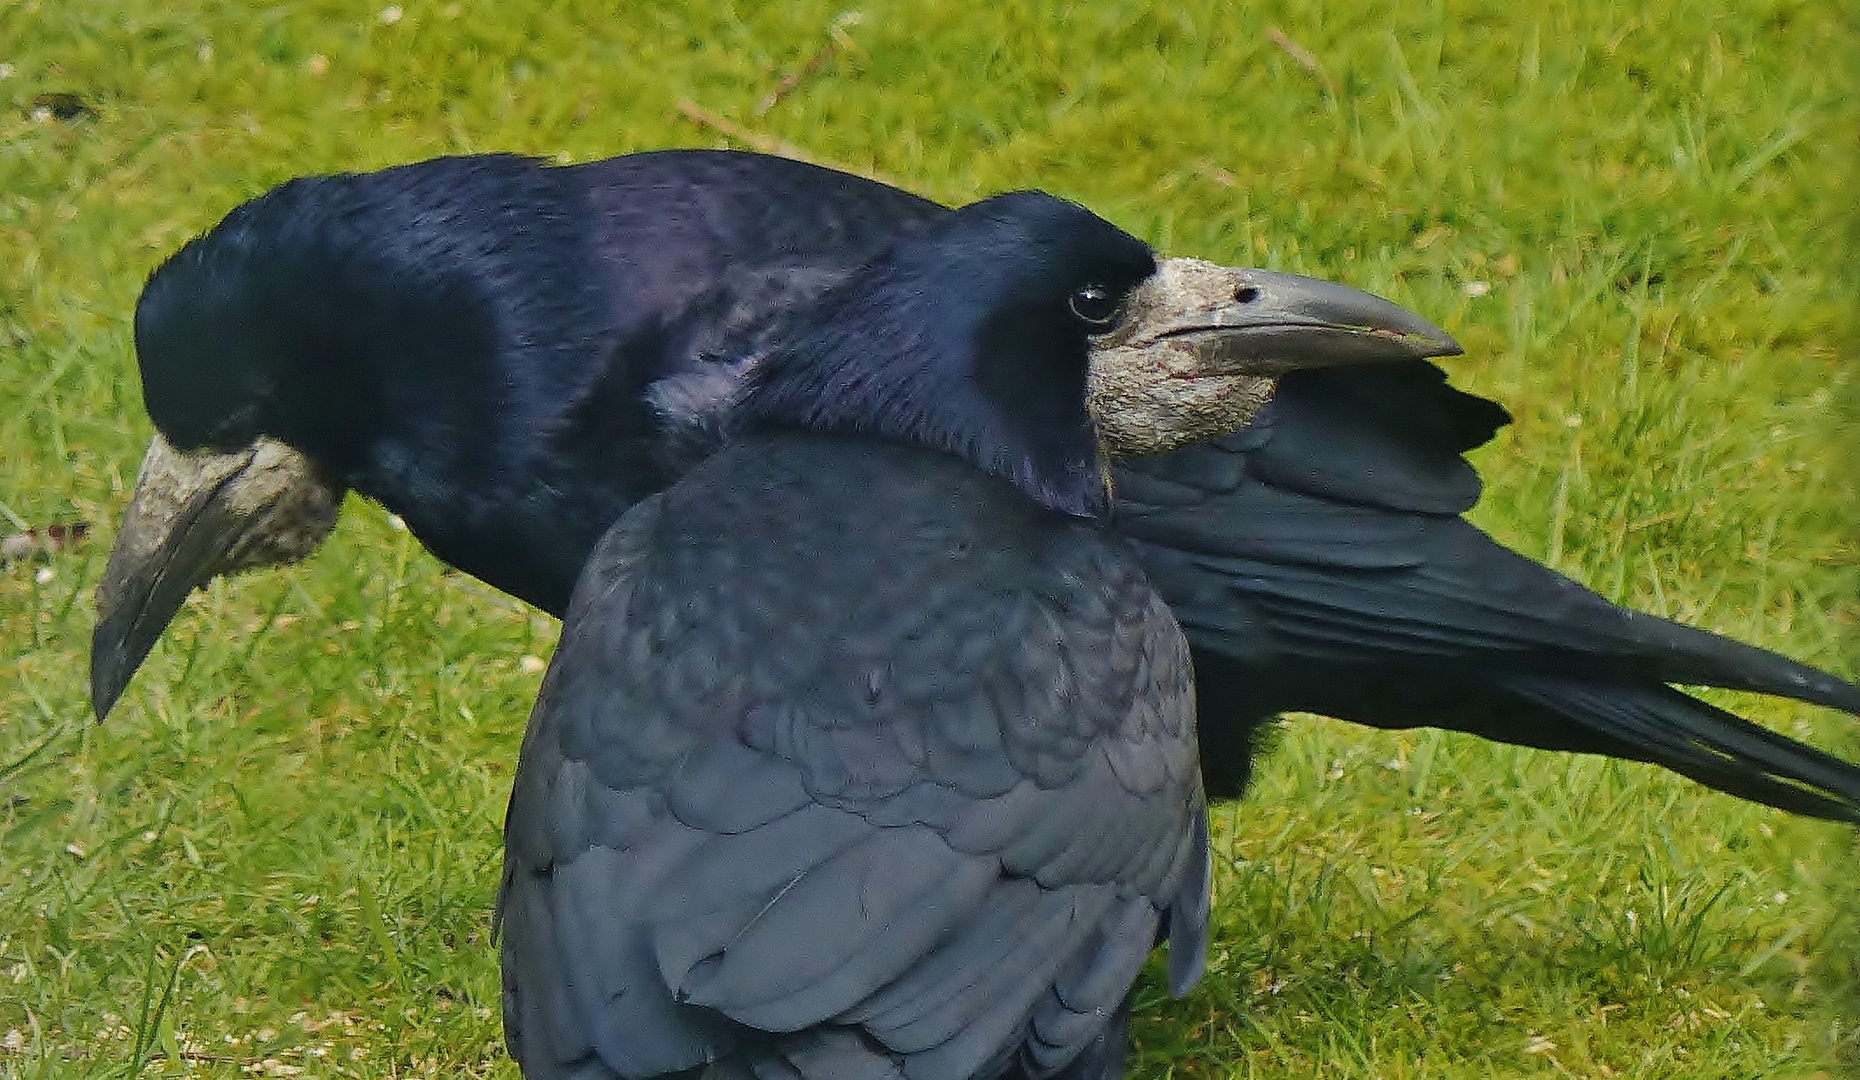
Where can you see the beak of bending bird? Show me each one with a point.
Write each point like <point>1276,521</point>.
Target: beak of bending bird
<point>1193,355</point>
<point>195,517</point>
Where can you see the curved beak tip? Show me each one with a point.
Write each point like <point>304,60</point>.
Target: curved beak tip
<point>1437,342</point>
<point>109,676</point>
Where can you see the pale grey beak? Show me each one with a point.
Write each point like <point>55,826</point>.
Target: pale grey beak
<point>1262,322</point>
<point>195,517</point>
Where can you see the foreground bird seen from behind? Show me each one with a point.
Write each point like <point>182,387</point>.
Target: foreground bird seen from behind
<point>868,750</point>
<point>510,355</point>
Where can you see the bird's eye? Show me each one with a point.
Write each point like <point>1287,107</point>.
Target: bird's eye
<point>1094,305</point>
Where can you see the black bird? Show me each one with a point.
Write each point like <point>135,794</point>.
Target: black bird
<point>868,750</point>
<point>509,355</point>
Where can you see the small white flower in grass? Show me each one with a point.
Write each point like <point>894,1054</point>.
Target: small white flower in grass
<point>397,523</point>
<point>1781,898</point>
<point>531,665</point>
<point>14,1041</point>
<point>1476,288</point>
<point>44,575</point>
<point>6,70</point>
<point>391,15</point>
<point>1538,1044</point>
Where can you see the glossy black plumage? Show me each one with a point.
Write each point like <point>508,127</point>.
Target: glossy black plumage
<point>589,318</point>
<point>1316,558</point>
<point>858,757</point>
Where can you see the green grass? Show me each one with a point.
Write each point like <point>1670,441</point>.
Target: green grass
<point>280,854</point>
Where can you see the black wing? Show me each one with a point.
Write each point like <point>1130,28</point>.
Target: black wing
<point>823,783</point>
<point>1317,562</point>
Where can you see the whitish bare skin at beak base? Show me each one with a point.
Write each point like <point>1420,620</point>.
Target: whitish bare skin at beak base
<point>194,517</point>
<point>1200,347</point>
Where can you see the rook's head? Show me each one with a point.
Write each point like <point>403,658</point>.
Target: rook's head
<point>973,336</point>
<point>1032,338</point>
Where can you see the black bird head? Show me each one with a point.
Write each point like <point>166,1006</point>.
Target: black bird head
<point>222,336</point>
<point>203,387</point>
<point>259,326</point>
<point>341,314</point>
<point>974,337</point>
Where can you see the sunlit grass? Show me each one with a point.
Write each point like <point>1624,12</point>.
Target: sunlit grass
<point>280,854</point>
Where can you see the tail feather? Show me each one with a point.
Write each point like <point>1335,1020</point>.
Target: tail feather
<point>1630,719</point>
<point>1717,748</point>
<point>1482,604</point>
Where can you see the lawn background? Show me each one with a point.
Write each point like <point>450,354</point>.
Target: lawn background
<point>280,853</point>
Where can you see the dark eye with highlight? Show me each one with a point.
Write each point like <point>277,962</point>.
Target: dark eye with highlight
<point>1094,305</point>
